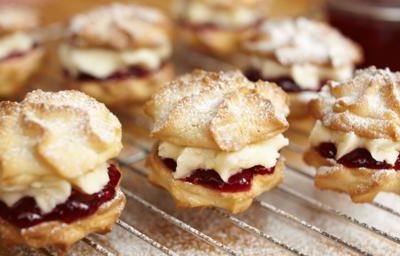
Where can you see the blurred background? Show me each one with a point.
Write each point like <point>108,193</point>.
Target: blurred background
<point>375,24</point>
<point>59,10</point>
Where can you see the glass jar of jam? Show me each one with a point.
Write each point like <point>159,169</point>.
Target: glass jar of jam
<point>374,24</point>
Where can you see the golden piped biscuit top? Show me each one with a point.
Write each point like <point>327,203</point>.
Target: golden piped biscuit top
<point>222,111</point>
<point>17,18</point>
<point>302,41</point>
<point>368,104</point>
<point>120,26</point>
<point>64,134</point>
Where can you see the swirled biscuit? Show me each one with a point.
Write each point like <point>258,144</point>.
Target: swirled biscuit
<point>300,55</point>
<point>120,26</point>
<point>54,151</point>
<point>214,129</point>
<point>367,105</point>
<point>118,53</point>
<point>355,142</point>
<point>218,27</point>
<point>20,52</point>
<point>222,111</point>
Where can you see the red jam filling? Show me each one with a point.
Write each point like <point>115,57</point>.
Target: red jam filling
<point>286,83</point>
<point>25,213</point>
<point>357,158</point>
<point>209,178</point>
<point>17,54</point>
<point>131,72</point>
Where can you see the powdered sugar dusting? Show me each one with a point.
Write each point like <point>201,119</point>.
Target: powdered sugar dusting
<point>376,176</point>
<point>368,104</point>
<point>379,175</point>
<point>325,170</point>
<point>118,196</point>
<point>105,15</point>
<point>209,108</point>
<point>297,41</point>
<point>119,25</point>
<point>101,121</point>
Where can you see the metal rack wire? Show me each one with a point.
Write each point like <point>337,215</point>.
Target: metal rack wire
<point>128,161</point>
<point>245,226</point>
<point>311,201</point>
<point>308,220</point>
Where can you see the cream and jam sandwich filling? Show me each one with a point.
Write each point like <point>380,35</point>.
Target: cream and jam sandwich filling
<point>115,42</point>
<point>26,212</point>
<point>354,151</point>
<point>356,138</point>
<point>118,53</point>
<point>224,171</point>
<point>218,27</point>
<point>300,55</point>
<point>20,50</point>
<point>219,135</point>
<point>16,24</point>
<point>55,151</point>
<point>16,45</point>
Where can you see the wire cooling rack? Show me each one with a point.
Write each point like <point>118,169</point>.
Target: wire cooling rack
<point>292,219</point>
